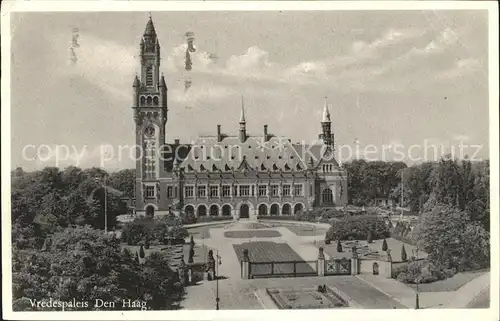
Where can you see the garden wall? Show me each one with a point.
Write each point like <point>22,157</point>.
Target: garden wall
<point>384,267</point>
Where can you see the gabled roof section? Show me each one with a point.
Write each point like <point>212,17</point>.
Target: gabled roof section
<point>255,153</point>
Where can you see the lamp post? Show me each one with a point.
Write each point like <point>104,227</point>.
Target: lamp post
<point>417,304</point>
<point>217,263</point>
<point>103,185</point>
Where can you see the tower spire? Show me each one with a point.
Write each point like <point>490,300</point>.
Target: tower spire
<point>242,116</point>
<point>326,112</point>
<point>243,127</point>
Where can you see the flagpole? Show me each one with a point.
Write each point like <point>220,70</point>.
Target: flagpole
<point>105,207</point>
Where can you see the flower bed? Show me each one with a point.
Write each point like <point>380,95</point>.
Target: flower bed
<point>306,299</point>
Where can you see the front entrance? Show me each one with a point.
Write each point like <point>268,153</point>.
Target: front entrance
<point>150,211</point>
<point>244,211</point>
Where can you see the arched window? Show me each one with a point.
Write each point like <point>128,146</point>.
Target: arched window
<point>189,210</point>
<point>149,101</point>
<point>263,209</point>
<point>214,210</point>
<point>226,210</point>
<point>275,209</point>
<point>327,196</point>
<point>143,100</point>
<point>155,101</point>
<point>202,210</point>
<point>286,209</point>
<point>298,208</point>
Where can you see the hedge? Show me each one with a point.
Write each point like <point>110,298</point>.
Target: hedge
<point>188,220</point>
<point>144,229</point>
<point>357,228</point>
<point>277,217</point>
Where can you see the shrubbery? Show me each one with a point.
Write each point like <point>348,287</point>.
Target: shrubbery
<point>421,272</point>
<point>357,228</point>
<point>188,219</point>
<point>145,230</point>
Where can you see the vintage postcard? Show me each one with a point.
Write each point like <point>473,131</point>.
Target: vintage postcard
<point>249,160</point>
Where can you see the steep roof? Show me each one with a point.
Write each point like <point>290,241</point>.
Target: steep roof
<point>207,154</point>
<point>150,28</point>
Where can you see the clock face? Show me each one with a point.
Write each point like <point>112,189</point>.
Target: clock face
<point>150,131</point>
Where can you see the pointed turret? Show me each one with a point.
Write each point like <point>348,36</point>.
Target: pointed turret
<point>137,83</point>
<point>326,126</point>
<point>162,82</point>
<point>243,129</point>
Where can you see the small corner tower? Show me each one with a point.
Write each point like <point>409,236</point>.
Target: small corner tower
<point>326,126</point>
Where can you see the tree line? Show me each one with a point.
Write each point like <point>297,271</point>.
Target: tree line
<point>59,250</point>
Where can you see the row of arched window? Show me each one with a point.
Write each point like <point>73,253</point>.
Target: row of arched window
<point>150,101</point>
<point>226,209</point>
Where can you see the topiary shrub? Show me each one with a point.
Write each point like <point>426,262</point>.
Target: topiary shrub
<point>191,241</point>
<point>142,254</point>
<point>339,246</point>
<point>404,256</point>
<point>369,237</point>
<point>384,245</point>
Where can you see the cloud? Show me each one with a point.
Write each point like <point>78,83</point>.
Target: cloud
<point>254,59</point>
<point>104,63</point>
<point>201,93</point>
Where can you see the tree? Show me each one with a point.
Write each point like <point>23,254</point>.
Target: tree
<point>384,245</point>
<point>339,246</point>
<point>141,252</point>
<point>404,256</point>
<point>451,239</point>
<point>123,181</point>
<point>84,264</point>
<point>191,255</point>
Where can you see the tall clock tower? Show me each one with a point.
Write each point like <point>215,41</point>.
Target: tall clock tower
<point>150,116</point>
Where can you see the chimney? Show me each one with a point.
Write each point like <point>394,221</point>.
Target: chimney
<point>176,141</point>
<point>219,135</point>
<point>266,136</point>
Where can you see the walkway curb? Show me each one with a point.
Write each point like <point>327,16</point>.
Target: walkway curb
<point>384,292</point>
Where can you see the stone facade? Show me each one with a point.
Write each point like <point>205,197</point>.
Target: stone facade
<point>241,176</point>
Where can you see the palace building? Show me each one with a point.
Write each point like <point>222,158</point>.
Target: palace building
<point>243,176</point>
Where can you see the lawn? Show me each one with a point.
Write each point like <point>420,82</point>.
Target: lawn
<point>450,284</point>
<point>393,244</point>
<point>249,234</point>
<point>306,230</point>
<point>202,232</point>
<point>272,252</point>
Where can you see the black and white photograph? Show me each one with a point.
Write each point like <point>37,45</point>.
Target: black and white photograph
<point>293,159</point>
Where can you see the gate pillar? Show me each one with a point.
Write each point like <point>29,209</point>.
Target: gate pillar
<point>245,265</point>
<point>321,262</point>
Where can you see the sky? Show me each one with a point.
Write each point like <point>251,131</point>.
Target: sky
<point>392,78</point>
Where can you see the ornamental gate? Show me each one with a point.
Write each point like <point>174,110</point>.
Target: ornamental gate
<point>338,267</point>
